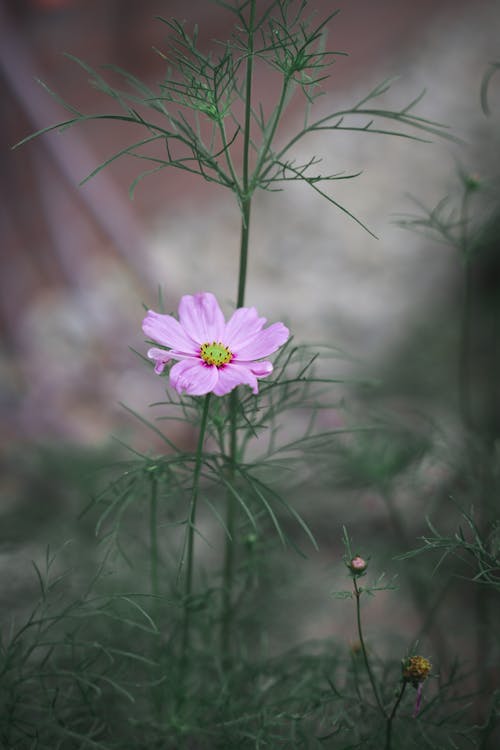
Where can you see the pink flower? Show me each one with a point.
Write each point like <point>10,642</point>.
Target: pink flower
<point>214,356</point>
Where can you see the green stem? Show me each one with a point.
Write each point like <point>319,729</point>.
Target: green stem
<point>264,150</point>
<point>246,194</point>
<point>390,718</point>
<point>464,384</point>
<point>464,355</point>
<point>156,691</point>
<point>248,92</point>
<point>188,584</point>
<point>357,593</point>
<point>227,153</point>
<point>245,233</point>
<point>227,593</point>
<point>153,542</point>
<point>245,199</point>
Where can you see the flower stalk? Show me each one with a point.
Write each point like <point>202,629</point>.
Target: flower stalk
<point>229,549</point>
<point>357,595</point>
<point>156,693</point>
<point>153,543</point>
<point>390,718</point>
<point>191,525</point>
<point>246,204</point>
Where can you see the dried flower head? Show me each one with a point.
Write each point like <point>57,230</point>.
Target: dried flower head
<point>416,669</point>
<point>214,356</point>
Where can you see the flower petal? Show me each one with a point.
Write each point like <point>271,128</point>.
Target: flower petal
<point>160,357</point>
<point>193,377</point>
<point>261,369</point>
<point>201,317</point>
<point>167,331</point>
<point>232,375</point>
<point>242,325</point>
<point>263,343</point>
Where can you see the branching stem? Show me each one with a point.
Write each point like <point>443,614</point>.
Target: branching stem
<point>357,593</point>
<point>390,718</point>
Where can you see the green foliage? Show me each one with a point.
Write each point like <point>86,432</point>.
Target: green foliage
<point>204,117</point>
<point>92,669</point>
<point>480,553</point>
<point>266,457</point>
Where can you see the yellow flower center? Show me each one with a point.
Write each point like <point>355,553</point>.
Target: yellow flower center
<point>215,354</point>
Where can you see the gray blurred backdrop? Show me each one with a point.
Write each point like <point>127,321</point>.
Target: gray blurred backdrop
<point>78,262</point>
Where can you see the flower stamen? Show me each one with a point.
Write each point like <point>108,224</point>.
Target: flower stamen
<point>215,354</point>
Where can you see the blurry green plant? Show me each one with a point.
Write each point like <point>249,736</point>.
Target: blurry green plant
<point>480,554</point>
<point>384,724</point>
<point>87,669</point>
<point>469,222</point>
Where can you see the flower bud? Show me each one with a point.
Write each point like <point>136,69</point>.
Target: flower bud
<point>357,565</point>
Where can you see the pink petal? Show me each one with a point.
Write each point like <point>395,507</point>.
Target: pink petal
<point>418,701</point>
<point>167,330</point>
<point>193,377</point>
<point>160,357</point>
<point>261,369</point>
<point>242,325</point>
<point>263,343</point>
<point>232,375</point>
<point>201,317</point>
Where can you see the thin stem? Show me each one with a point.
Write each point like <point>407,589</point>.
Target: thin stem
<point>188,585</point>
<point>245,233</point>
<point>227,594</point>
<point>357,593</point>
<point>153,541</point>
<point>481,445</point>
<point>463,367</point>
<point>245,195</point>
<point>227,153</point>
<point>390,718</point>
<point>245,201</point>
<point>464,382</point>
<point>248,93</point>
<point>267,144</point>
<point>156,690</point>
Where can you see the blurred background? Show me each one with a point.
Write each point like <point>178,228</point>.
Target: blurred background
<point>78,263</point>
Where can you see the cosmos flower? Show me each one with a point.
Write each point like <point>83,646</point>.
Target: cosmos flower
<point>213,356</point>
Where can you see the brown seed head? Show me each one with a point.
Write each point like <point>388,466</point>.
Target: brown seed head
<point>416,669</point>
